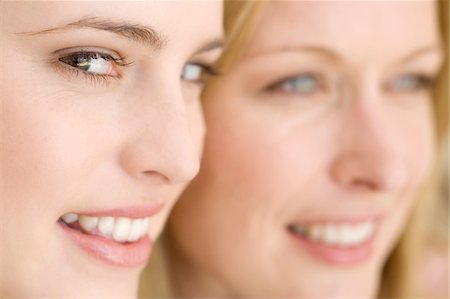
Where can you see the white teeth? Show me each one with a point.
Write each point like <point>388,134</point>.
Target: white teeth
<point>331,234</point>
<point>88,223</point>
<point>135,230</point>
<point>121,229</point>
<point>69,218</point>
<point>145,226</point>
<point>106,226</point>
<point>364,231</point>
<point>341,235</point>
<point>347,235</point>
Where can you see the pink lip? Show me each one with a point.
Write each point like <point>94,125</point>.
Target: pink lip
<point>129,212</point>
<point>355,220</point>
<point>120,254</point>
<point>334,254</point>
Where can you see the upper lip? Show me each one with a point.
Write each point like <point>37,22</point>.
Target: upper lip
<point>135,211</point>
<point>340,220</point>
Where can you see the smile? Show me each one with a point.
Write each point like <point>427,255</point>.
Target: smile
<point>343,235</point>
<point>337,243</point>
<point>119,229</point>
<point>119,237</point>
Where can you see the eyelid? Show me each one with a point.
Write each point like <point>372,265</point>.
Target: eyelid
<point>117,58</point>
<point>93,78</point>
<point>276,87</point>
<point>207,71</point>
<point>88,49</point>
<point>424,81</point>
<point>210,68</point>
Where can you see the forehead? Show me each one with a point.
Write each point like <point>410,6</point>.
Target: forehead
<point>183,17</point>
<point>347,26</point>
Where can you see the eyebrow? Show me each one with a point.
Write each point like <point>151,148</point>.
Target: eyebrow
<point>337,57</point>
<point>138,33</point>
<point>304,48</point>
<point>422,51</point>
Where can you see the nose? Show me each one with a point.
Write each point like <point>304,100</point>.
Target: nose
<point>163,146</point>
<point>369,152</point>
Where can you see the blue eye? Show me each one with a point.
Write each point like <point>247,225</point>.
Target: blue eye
<point>409,83</point>
<point>305,83</point>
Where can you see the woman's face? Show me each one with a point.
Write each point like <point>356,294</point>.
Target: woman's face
<point>101,130</point>
<point>318,141</point>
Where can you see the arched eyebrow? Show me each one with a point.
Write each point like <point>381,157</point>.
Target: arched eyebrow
<point>315,49</point>
<point>138,33</point>
<point>436,49</point>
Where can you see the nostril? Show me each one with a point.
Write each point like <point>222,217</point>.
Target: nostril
<point>363,184</point>
<point>358,172</point>
<point>155,176</point>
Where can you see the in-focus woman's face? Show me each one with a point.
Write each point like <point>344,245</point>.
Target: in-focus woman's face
<point>318,142</point>
<point>101,130</point>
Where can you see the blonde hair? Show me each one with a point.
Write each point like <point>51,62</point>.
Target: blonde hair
<point>240,18</point>
<point>400,271</point>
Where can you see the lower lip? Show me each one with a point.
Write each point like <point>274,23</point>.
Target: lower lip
<point>336,255</point>
<point>127,255</point>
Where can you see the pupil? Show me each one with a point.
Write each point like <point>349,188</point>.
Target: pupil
<point>303,84</point>
<point>407,82</point>
<point>80,61</point>
<point>83,61</point>
<point>82,64</point>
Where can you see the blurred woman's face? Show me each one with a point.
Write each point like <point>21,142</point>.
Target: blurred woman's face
<point>101,131</point>
<point>318,141</point>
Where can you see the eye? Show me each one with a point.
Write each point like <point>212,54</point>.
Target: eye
<point>94,63</point>
<point>302,84</point>
<point>191,72</point>
<point>410,83</point>
<point>196,72</point>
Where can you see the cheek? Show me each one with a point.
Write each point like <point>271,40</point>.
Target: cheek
<point>235,170</point>
<point>158,222</point>
<point>422,158</point>
<point>257,153</point>
<point>419,150</point>
<point>196,124</point>
<point>25,144</point>
<point>236,155</point>
<point>46,149</point>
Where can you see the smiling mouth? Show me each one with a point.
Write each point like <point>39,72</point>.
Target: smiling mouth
<point>117,236</point>
<point>118,229</point>
<point>339,235</point>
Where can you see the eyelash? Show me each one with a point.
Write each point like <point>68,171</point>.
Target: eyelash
<point>93,78</point>
<point>278,86</point>
<point>423,83</point>
<point>207,71</point>
<point>210,70</point>
<point>104,79</point>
